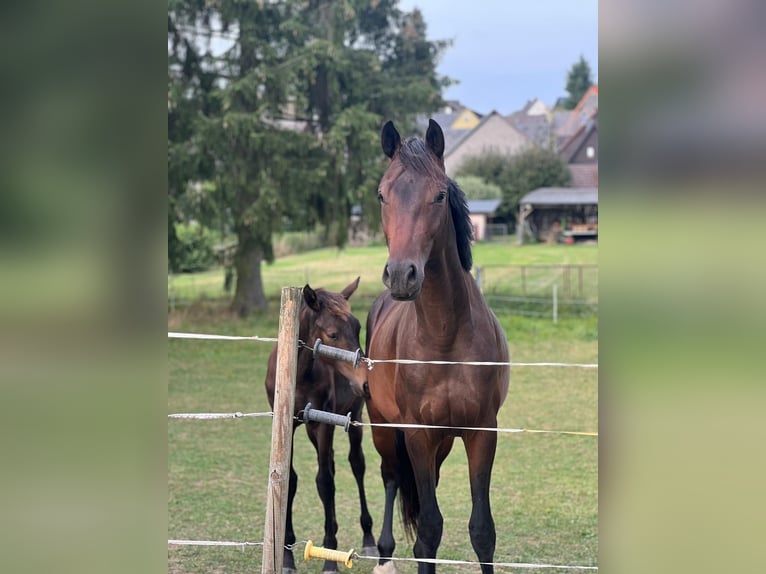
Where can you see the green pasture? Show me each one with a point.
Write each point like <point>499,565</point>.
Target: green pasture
<point>501,265</point>
<point>544,488</point>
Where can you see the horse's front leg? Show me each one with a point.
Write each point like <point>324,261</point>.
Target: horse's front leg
<point>480,448</point>
<point>422,449</point>
<point>385,443</point>
<point>321,436</point>
<point>356,460</point>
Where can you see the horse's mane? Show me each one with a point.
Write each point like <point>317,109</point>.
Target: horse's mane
<point>463,225</point>
<point>414,154</point>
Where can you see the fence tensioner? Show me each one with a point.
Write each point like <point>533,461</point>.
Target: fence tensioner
<point>309,414</point>
<point>312,551</point>
<point>323,350</point>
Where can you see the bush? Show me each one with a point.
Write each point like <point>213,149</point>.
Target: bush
<point>517,175</point>
<point>476,187</point>
<point>195,249</point>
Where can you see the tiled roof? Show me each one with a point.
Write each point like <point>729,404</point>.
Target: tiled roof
<point>562,196</point>
<point>560,119</point>
<point>537,129</point>
<point>585,108</point>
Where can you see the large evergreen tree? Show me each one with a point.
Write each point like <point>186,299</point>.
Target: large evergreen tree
<point>288,128</point>
<point>578,81</point>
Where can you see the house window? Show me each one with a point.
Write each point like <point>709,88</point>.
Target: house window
<point>590,152</point>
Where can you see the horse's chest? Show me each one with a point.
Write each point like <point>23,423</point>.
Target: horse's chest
<point>433,394</point>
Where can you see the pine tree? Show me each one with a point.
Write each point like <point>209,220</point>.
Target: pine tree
<point>578,82</point>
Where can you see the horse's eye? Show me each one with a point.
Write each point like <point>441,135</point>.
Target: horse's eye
<point>332,336</point>
<point>441,197</point>
<point>380,198</point>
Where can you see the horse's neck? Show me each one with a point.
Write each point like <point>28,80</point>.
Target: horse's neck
<point>305,363</point>
<point>305,356</point>
<point>443,307</point>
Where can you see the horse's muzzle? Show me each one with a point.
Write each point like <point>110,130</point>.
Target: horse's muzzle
<point>403,279</point>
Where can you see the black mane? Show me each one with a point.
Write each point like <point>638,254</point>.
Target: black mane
<point>463,225</point>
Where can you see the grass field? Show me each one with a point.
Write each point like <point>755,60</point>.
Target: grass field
<point>544,488</point>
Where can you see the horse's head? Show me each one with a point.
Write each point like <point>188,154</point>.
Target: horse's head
<point>420,207</point>
<point>327,316</point>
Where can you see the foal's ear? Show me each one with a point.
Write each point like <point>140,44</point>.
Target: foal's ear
<point>310,297</point>
<point>349,290</point>
<point>390,139</point>
<point>435,138</point>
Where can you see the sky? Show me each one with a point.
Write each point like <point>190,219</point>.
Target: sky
<point>506,52</point>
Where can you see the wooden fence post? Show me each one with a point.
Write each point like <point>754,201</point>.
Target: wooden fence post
<point>281,432</point>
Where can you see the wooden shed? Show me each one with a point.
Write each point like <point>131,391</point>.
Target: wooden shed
<point>556,213</point>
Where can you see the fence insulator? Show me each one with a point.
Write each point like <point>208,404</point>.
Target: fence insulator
<point>327,554</point>
<point>317,416</point>
<point>334,353</point>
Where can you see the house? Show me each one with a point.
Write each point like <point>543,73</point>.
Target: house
<point>535,107</point>
<point>551,213</point>
<point>481,213</point>
<point>580,152</point>
<point>494,133</point>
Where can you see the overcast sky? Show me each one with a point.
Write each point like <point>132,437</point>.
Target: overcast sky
<point>506,52</point>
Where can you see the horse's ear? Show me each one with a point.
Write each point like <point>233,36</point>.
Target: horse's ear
<point>310,297</point>
<point>349,290</point>
<point>435,138</point>
<point>390,139</point>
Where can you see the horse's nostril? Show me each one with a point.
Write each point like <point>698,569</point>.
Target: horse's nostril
<point>412,274</point>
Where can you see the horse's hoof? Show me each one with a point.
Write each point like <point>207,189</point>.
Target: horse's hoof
<point>371,551</point>
<point>289,571</point>
<point>387,568</point>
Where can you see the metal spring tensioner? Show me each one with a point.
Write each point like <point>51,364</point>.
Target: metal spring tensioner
<point>317,416</point>
<point>323,350</point>
<point>312,551</point>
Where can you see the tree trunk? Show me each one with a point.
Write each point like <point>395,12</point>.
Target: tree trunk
<point>249,293</point>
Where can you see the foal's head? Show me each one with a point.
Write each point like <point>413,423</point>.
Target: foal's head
<point>420,208</point>
<point>327,316</point>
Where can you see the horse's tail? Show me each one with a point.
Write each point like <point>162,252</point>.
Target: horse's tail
<point>409,503</point>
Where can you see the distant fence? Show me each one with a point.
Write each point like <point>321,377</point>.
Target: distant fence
<point>526,290</point>
<point>540,290</point>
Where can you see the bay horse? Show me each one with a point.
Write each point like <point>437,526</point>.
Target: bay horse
<point>432,309</point>
<point>326,384</point>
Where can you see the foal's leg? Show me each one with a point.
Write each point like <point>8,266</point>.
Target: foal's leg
<point>422,452</point>
<point>321,436</point>
<point>288,562</point>
<point>356,459</point>
<point>480,448</point>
